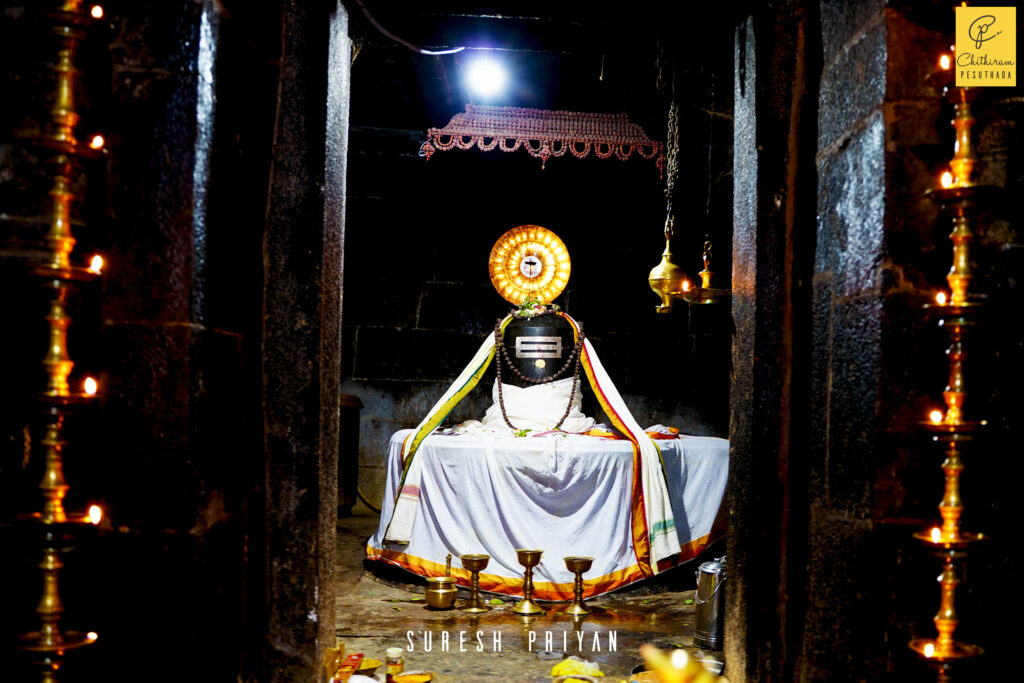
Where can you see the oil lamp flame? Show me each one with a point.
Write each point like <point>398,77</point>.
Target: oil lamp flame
<point>936,534</point>
<point>90,386</point>
<point>96,11</point>
<point>95,514</point>
<point>940,298</point>
<point>929,650</point>
<point>96,264</point>
<point>91,636</point>
<point>944,62</point>
<point>946,180</point>
<point>97,142</point>
<point>935,416</point>
<point>686,285</point>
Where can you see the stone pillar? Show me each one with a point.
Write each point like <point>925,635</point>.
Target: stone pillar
<point>301,337</point>
<point>835,123</point>
<point>773,236</point>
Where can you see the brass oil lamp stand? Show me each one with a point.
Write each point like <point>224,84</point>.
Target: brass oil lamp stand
<point>578,566</point>
<point>957,314</point>
<point>529,559</point>
<point>475,564</point>
<point>53,525</point>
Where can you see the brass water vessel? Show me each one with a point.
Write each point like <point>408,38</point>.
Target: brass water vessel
<point>441,590</point>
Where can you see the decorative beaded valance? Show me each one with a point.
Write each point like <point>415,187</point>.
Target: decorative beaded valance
<point>544,134</point>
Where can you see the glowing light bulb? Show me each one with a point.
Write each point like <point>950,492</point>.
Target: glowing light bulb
<point>95,514</point>
<point>686,285</point>
<point>936,535</point>
<point>679,658</point>
<point>96,264</point>
<point>935,416</point>
<point>929,650</point>
<point>97,142</point>
<point>946,180</point>
<point>940,298</point>
<point>90,386</point>
<point>486,77</point>
<point>944,62</point>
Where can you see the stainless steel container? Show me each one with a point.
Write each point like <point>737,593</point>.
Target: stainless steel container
<point>707,632</point>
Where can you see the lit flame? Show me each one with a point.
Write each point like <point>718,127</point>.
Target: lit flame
<point>95,514</point>
<point>97,142</point>
<point>91,636</point>
<point>686,285</point>
<point>679,658</point>
<point>96,264</point>
<point>90,386</point>
<point>929,650</point>
<point>935,416</point>
<point>944,62</point>
<point>947,180</point>
<point>940,298</point>
<point>936,535</point>
<point>96,11</point>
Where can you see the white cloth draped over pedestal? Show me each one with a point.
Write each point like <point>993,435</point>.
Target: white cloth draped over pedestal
<point>565,494</point>
<point>655,542</point>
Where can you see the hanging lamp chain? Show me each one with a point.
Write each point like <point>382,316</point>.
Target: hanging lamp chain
<point>672,164</point>
<point>711,139</point>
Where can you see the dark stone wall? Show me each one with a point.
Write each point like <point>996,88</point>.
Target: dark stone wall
<point>874,161</point>
<point>185,94</point>
<point>302,338</point>
<point>839,589</point>
<point>775,99</point>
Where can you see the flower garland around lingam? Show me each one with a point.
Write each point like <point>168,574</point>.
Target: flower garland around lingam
<point>544,134</point>
<point>531,308</point>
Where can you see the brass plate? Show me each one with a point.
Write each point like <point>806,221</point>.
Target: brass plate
<point>529,262</point>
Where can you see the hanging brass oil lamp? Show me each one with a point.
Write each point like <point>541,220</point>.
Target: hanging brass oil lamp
<point>706,294</point>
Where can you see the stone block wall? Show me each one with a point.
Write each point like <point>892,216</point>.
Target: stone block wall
<point>840,133</point>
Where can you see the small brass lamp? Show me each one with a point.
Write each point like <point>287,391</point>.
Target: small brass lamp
<point>706,294</point>
<point>666,279</point>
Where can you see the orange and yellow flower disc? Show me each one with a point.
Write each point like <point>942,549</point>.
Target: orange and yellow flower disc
<point>529,262</point>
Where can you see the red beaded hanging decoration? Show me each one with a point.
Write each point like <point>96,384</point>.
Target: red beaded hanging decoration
<point>502,353</point>
<point>544,134</point>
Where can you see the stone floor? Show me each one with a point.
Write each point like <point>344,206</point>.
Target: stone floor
<point>384,608</point>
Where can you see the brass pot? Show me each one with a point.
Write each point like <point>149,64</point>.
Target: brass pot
<point>441,592</point>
